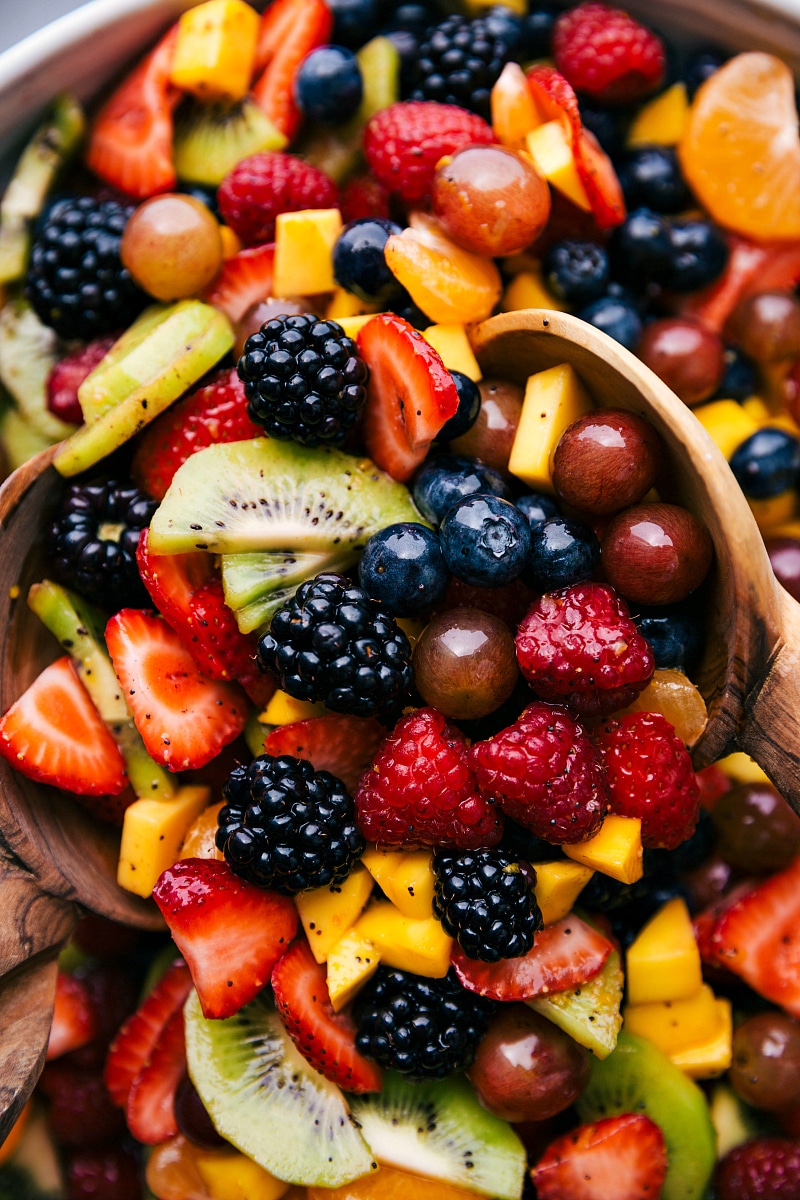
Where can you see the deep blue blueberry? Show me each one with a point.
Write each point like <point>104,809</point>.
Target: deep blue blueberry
<point>563,551</point>
<point>739,380</point>
<point>447,478</point>
<point>412,16</point>
<point>618,318</point>
<point>359,263</point>
<point>675,631</point>
<point>485,540</point>
<point>640,249</point>
<point>609,125</point>
<point>403,567</point>
<point>404,307</point>
<point>469,405</point>
<point>206,195</point>
<point>537,507</point>
<point>537,31</point>
<point>502,23</point>
<point>767,463</point>
<point>698,255</point>
<point>576,271</point>
<point>355,21</point>
<point>406,43</point>
<point>701,65</point>
<point>651,178</point>
<point>328,86</point>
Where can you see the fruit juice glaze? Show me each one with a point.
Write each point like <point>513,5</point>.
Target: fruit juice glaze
<point>384,668</point>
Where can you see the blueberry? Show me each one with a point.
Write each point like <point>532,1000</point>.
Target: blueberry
<point>609,126</point>
<point>328,86</point>
<point>355,21</point>
<point>767,463</point>
<point>359,263</point>
<point>406,43</point>
<point>411,16</point>
<point>701,65</point>
<point>485,540</point>
<point>739,380</point>
<point>502,23</point>
<point>576,271</point>
<point>675,632</point>
<point>563,551</point>
<point>206,195</point>
<point>469,405</point>
<point>537,31</point>
<point>698,255</point>
<point>537,507</point>
<point>404,307</point>
<point>640,248</point>
<point>403,567</point>
<point>618,318</point>
<point>651,178</point>
<point>447,478</point>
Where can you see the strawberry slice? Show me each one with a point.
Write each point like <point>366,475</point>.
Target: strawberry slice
<point>290,29</point>
<point>133,1047</point>
<point>172,579</point>
<point>343,745</point>
<point>244,279</point>
<point>565,955</point>
<point>67,376</point>
<point>130,144</point>
<point>184,718</point>
<point>75,1021</point>
<point>55,735</point>
<point>410,394</point>
<point>624,1157</point>
<point>230,932</point>
<point>150,1110</point>
<point>752,268</point>
<point>327,1040</point>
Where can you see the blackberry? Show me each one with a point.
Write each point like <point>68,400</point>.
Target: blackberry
<point>304,379</point>
<point>93,540</point>
<point>459,62</point>
<point>423,1028</point>
<point>76,282</point>
<point>331,642</point>
<point>485,900</point>
<point>288,827</point>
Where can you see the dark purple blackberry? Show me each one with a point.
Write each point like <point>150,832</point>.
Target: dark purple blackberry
<point>304,378</point>
<point>485,900</point>
<point>459,62</point>
<point>93,540</point>
<point>423,1028</point>
<point>332,643</point>
<point>76,282</point>
<point>288,827</point>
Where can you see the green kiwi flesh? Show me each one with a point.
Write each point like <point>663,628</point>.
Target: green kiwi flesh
<point>439,1130</point>
<point>210,139</point>
<point>590,1013</point>
<point>28,353</point>
<point>18,438</point>
<point>257,584</point>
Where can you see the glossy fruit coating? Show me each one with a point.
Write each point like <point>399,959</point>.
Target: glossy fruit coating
<point>359,264</point>
<point>606,461</point>
<point>328,85</point>
<point>469,406</point>
<point>464,663</point>
<point>402,567</point>
<point>172,246</point>
<point>193,1120</point>
<point>767,463</point>
<point>686,355</point>
<point>537,507</point>
<point>563,551</point>
<point>656,553</point>
<point>757,829</point>
<point>485,540</point>
<point>446,479</point>
<point>766,1060</point>
<point>784,557</point>
<point>767,326</point>
<point>492,435</point>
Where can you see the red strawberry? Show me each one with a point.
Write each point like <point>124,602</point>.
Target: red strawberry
<point>184,718</point>
<point>343,745</point>
<point>245,279</point>
<point>713,783</point>
<point>172,580</point>
<point>605,52</point>
<point>109,1173</point>
<point>752,268</point>
<point>290,29</point>
<point>566,954</point>
<point>410,394</point>
<point>68,374</point>
<point>326,1039</point>
<point>136,1041</point>
<point>80,1110</point>
<point>74,1016</point>
<point>624,1157</point>
<point>363,196</point>
<point>230,932</point>
<point>55,735</point>
<point>706,922</point>
<point>766,1168</point>
<point>150,1111</point>
<point>260,187</point>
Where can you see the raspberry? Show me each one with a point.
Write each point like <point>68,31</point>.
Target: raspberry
<point>606,53</point>
<point>404,142</point>
<point>649,775</point>
<point>544,772</point>
<point>69,373</point>
<point>421,791</point>
<point>363,196</point>
<point>578,646</point>
<point>764,1169</point>
<point>260,187</point>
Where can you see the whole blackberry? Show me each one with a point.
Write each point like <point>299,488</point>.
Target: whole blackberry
<point>331,642</point>
<point>304,379</point>
<point>288,827</point>
<point>93,540</point>
<point>459,62</point>
<point>423,1028</point>
<point>485,900</point>
<point>76,281</point>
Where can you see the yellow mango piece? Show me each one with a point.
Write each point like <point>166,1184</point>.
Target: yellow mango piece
<point>708,1059</point>
<point>229,1175</point>
<point>450,285</point>
<point>452,344</point>
<point>514,114</point>
<point>328,912</point>
<point>215,51</point>
<point>345,304</point>
<point>405,877</point>
<point>727,423</point>
<point>741,768</point>
<point>788,529</point>
<point>351,962</point>
<point>200,836</point>
<point>549,147</point>
<point>757,408</point>
<point>663,121</point>
<point>528,290</point>
<point>421,947</point>
<point>353,325</point>
<point>774,510</point>
<point>304,244</point>
<point>476,7</point>
<point>616,850</point>
<point>673,694</point>
<point>283,709</point>
<point>558,885</point>
<point>553,400</point>
<point>152,833</point>
<point>675,1025</point>
<point>387,1183</point>
<point>230,242</point>
<point>663,961</point>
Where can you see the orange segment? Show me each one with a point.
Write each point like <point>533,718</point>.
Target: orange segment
<point>200,837</point>
<point>741,153</point>
<point>388,1184</point>
<point>15,1135</point>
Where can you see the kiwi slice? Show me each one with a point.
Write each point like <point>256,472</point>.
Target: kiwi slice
<point>210,139</point>
<point>18,439</point>
<point>590,1013</point>
<point>257,584</point>
<point>267,1101</point>
<point>266,494</point>
<point>637,1077</point>
<point>28,352</point>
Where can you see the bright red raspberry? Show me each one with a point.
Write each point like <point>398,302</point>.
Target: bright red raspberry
<point>545,773</point>
<point>421,791</point>
<point>764,1169</point>
<point>67,376</point>
<point>603,51</point>
<point>363,196</point>
<point>260,187</point>
<point>649,775</point>
<point>579,647</point>
<point>404,142</point>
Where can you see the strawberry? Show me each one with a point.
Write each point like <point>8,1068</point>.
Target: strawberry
<point>74,1016</point>
<point>707,920</point>
<point>230,932</point>
<point>80,1109</point>
<point>150,1110</point>
<point>713,783</point>
<point>343,745</point>
<point>410,394</point>
<point>566,954</point>
<point>290,29</point>
<point>135,1044</point>
<point>55,735</point>
<point>172,579</point>
<point>607,53</point>
<point>245,279</point>
<point>184,718</point>
<point>107,1173</point>
<point>264,185</point>
<point>68,374</point>
<point>624,1157</point>
<point>326,1039</point>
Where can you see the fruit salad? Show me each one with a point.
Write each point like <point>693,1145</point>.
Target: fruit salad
<point>383,669</point>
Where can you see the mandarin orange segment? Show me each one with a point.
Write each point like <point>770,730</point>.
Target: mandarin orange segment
<point>200,836</point>
<point>449,284</point>
<point>388,1184</point>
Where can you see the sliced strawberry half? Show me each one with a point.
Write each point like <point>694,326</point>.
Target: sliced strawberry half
<point>565,955</point>
<point>184,718</point>
<point>55,735</point>
<point>343,745</point>
<point>326,1039</point>
<point>75,1021</point>
<point>245,279</point>
<point>150,1110</point>
<point>133,1047</point>
<point>410,394</point>
<point>230,932</point>
<point>290,29</point>
<point>172,579</point>
<point>624,1157</point>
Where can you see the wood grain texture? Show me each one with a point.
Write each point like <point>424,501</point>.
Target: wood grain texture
<point>26,1010</point>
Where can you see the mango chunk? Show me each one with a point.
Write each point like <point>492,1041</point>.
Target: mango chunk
<point>406,878</point>
<point>773,510</point>
<point>549,147</point>
<point>284,709</point>
<point>529,290</point>
<point>711,1058</point>
<point>663,961</point>
<point>304,244</point>
<point>452,344</point>
<point>353,325</point>
<point>675,1025</point>
<point>215,50</point>
<point>421,947</point>
<point>328,912</point>
<point>616,850</point>
<point>352,961</point>
<point>553,400</point>
<point>152,834</point>
<point>727,423</point>
<point>345,304</point>
<point>663,121</point>
<point>741,768</point>
<point>558,885</point>
<point>232,1176</point>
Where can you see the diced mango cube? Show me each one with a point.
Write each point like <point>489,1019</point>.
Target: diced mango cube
<point>663,961</point>
<point>478,6</point>
<point>528,290</point>
<point>215,50</point>
<point>727,423</point>
<point>284,709</point>
<point>229,1175</point>
<point>304,244</point>
<point>714,1056</point>
<point>405,877</point>
<point>663,121</point>
<point>549,147</point>
<point>773,511</point>
<point>345,304</point>
<point>673,694</point>
<point>553,400</point>
<point>351,962</point>
<point>616,850</point>
<point>421,947</point>
<point>558,885</point>
<point>328,912</point>
<point>452,344</point>
<point>757,408</point>
<point>675,1025</point>
<point>741,768</point>
<point>152,833</point>
<point>353,325</point>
